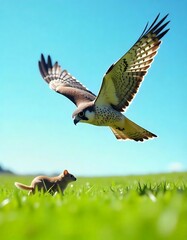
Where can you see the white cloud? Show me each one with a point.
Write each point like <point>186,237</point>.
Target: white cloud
<point>175,166</point>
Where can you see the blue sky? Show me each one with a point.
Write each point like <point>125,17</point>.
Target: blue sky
<point>86,37</point>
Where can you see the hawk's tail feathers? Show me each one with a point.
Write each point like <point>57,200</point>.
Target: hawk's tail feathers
<point>132,131</point>
<point>22,186</point>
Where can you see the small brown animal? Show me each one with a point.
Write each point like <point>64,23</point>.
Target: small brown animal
<point>48,184</point>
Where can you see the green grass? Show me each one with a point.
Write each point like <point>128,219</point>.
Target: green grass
<point>134,207</point>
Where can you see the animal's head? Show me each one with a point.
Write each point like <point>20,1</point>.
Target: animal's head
<point>68,176</point>
<point>84,113</point>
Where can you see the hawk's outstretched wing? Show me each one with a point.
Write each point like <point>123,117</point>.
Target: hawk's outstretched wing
<point>62,82</point>
<point>123,78</point>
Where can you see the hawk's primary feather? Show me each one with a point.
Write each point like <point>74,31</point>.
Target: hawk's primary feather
<point>122,80</point>
<point>63,82</point>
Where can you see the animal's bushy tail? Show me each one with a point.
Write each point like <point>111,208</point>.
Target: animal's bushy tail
<point>132,131</point>
<point>23,186</point>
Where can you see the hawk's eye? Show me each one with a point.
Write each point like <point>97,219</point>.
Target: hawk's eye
<point>81,114</point>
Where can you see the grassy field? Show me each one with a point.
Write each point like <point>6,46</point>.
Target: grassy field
<point>132,207</point>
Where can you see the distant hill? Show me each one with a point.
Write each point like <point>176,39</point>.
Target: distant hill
<point>2,171</point>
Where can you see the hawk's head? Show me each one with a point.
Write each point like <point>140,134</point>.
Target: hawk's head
<point>84,113</point>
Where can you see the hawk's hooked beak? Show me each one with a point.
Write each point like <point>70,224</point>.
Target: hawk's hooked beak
<point>76,120</point>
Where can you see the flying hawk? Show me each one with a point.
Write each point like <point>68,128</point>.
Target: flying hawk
<point>120,84</point>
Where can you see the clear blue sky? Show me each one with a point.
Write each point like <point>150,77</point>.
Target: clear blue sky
<point>37,133</point>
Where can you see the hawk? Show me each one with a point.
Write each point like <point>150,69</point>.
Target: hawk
<point>120,84</point>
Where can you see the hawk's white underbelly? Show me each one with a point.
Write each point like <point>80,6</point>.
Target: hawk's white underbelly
<point>107,116</point>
